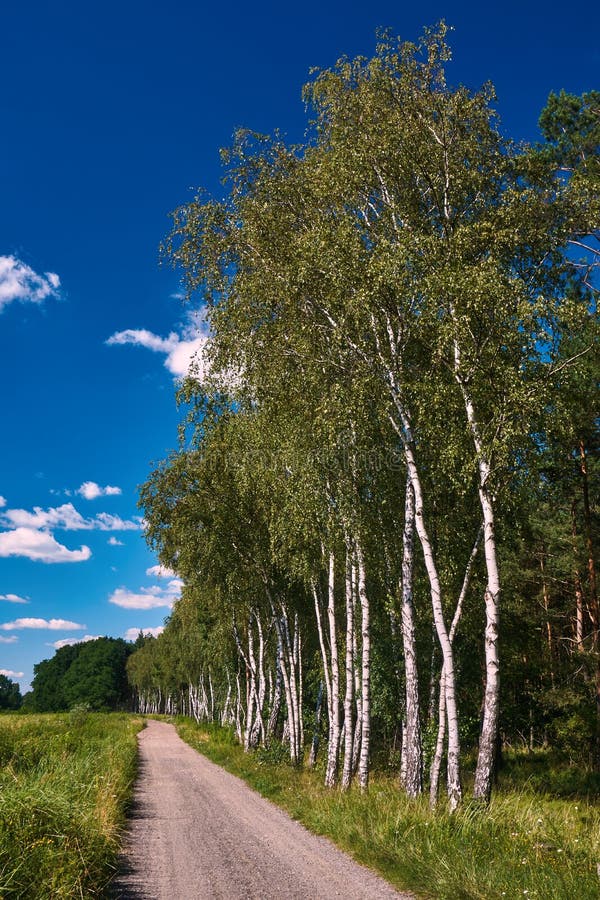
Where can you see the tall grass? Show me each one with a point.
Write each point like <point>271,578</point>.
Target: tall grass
<point>526,844</point>
<point>65,780</point>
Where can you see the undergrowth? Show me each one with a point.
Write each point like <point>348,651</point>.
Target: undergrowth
<point>527,843</point>
<point>65,781</point>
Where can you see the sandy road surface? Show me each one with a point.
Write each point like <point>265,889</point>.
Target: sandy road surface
<point>199,833</point>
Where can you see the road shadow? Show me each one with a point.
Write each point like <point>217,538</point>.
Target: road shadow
<point>128,882</point>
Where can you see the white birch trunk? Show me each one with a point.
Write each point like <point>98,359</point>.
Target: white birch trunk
<point>334,738</point>
<point>252,725</point>
<point>225,715</point>
<point>290,644</point>
<point>258,729</point>
<point>324,657</point>
<point>254,719</point>
<point>212,698</point>
<point>349,693</point>
<point>238,707</point>
<point>363,763</point>
<point>290,727</point>
<point>436,763</point>
<point>300,712</point>
<point>412,753</point>
<point>357,694</point>
<point>488,741</point>
<point>491,704</point>
<point>405,433</point>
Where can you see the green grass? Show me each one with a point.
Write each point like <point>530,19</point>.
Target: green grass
<point>65,781</point>
<point>527,844</point>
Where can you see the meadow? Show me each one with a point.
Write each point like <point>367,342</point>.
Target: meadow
<point>65,782</point>
<point>539,838</point>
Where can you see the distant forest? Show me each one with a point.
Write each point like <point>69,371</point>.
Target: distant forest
<point>90,673</point>
<point>10,694</point>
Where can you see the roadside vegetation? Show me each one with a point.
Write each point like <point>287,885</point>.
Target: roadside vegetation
<point>65,781</point>
<point>384,506</point>
<point>539,837</point>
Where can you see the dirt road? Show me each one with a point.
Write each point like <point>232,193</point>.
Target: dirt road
<point>199,833</point>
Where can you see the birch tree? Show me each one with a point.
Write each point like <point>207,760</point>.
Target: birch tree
<point>405,271</point>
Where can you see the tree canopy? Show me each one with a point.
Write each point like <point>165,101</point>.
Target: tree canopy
<point>402,372</point>
<point>89,673</point>
<point>10,693</point>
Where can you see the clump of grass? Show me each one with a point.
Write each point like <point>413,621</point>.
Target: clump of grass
<point>65,781</point>
<point>523,845</point>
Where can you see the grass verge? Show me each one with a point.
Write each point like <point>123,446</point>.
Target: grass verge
<point>526,844</point>
<point>65,781</point>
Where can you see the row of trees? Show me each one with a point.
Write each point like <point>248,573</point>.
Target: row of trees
<point>90,673</point>
<point>398,429</point>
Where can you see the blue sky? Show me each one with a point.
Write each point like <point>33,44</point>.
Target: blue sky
<point>112,113</point>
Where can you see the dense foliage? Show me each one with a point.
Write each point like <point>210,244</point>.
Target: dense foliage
<point>10,693</point>
<point>384,505</point>
<point>91,673</point>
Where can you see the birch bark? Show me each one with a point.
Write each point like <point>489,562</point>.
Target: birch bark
<point>412,753</point>
<point>491,704</point>
<point>365,729</point>
<point>357,694</point>
<point>404,431</point>
<point>349,692</point>
<point>436,762</point>
<point>324,657</point>
<point>291,726</point>
<point>334,737</point>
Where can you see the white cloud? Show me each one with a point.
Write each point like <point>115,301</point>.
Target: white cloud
<point>10,674</point>
<point>13,598</point>
<point>90,490</point>
<point>160,572</point>
<point>130,600</point>
<point>39,546</point>
<point>180,350</point>
<point>2,501</point>
<point>107,522</point>
<point>67,518</point>
<point>19,282</point>
<point>149,597</point>
<point>183,355</point>
<point>132,633</point>
<point>9,640</point>
<point>50,624</point>
<point>68,642</point>
<point>114,542</point>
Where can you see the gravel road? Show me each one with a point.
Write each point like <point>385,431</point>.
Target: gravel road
<point>199,833</point>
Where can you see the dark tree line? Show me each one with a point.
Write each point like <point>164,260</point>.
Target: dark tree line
<point>10,694</point>
<point>91,673</point>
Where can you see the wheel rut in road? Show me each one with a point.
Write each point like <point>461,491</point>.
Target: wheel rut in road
<point>198,833</point>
